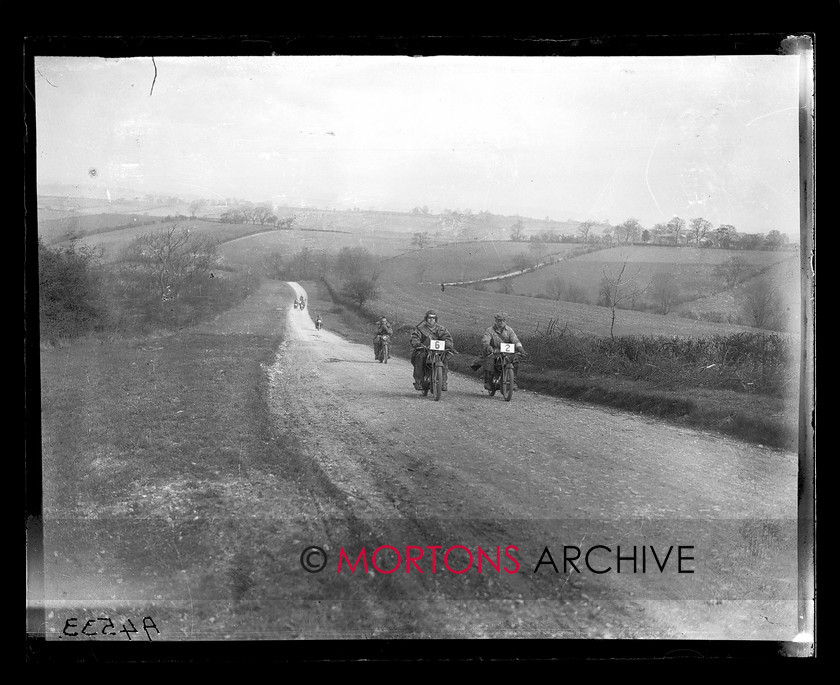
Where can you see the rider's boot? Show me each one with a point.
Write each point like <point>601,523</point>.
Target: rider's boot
<point>488,380</point>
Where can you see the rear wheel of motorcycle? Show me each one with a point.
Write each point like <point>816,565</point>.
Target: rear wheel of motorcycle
<point>437,382</point>
<point>507,384</point>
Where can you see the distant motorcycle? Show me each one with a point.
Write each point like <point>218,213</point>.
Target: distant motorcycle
<point>434,367</point>
<point>384,348</point>
<point>318,324</point>
<point>302,304</point>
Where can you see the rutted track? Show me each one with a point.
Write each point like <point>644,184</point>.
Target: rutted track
<point>390,467</point>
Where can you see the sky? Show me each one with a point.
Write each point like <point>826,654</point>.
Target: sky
<point>582,138</point>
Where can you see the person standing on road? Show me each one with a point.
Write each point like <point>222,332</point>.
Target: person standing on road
<point>426,331</point>
<point>492,341</point>
<point>382,328</point>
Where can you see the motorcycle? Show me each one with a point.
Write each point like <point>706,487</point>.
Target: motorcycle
<point>503,371</point>
<point>384,352</point>
<point>433,369</point>
<point>302,304</point>
<point>317,324</point>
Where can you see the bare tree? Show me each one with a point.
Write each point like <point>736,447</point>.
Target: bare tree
<point>733,271</point>
<point>724,236</point>
<point>676,226</point>
<point>555,288</point>
<point>421,239</point>
<point>356,261</point>
<point>700,227</point>
<point>630,230</point>
<point>173,257</point>
<point>585,229</point>
<point>665,289</point>
<point>762,305</point>
<point>517,231</point>
<point>618,290</point>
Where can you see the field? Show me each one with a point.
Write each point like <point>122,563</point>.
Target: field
<point>469,312</point>
<point>53,231</point>
<point>465,261</point>
<point>113,241</point>
<point>693,267</point>
<point>251,251</point>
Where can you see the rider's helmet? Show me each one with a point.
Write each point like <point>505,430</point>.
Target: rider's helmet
<point>429,313</point>
<point>500,316</point>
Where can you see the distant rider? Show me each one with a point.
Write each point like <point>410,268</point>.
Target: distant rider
<point>318,322</point>
<point>492,341</point>
<point>382,328</point>
<point>426,331</point>
<point>297,303</point>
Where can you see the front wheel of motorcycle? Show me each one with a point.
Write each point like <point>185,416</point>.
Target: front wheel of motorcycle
<point>507,384</point>
<point>437,382</point>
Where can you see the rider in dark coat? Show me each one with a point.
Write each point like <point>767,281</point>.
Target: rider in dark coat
<point>427,330</point>
<point>382,328</point>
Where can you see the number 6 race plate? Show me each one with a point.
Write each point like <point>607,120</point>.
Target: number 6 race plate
<point>437,344</point>
<point>508,347</point>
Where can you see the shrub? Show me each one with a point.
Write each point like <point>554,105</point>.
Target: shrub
<point>69,291</point>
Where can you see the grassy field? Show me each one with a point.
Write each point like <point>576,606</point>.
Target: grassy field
<point>115,240</point>
<point>472,311</point>
<point>463,261</point>
<point>252,250</point>
<point>56,230</point>
<point>693,267</point>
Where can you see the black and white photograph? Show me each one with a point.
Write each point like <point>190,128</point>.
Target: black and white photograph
<point>364,346</point>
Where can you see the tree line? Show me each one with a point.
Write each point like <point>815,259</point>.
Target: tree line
<point>697,232</point>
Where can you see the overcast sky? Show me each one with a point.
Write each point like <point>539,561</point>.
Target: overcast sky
<point>559,137</point>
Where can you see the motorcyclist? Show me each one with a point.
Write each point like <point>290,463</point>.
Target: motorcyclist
<point>318,322</point>
<point>491,342</point>
<point>382,328</point>
<point>297,303</point>
<point>426,331</point>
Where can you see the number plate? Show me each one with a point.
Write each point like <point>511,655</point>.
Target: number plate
<point>437,344</point>
<point>508,347</point>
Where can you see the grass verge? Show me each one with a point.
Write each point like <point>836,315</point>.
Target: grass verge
<point>170,489</point>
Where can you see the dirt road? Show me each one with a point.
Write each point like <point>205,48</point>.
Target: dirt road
<point>531,482</point>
